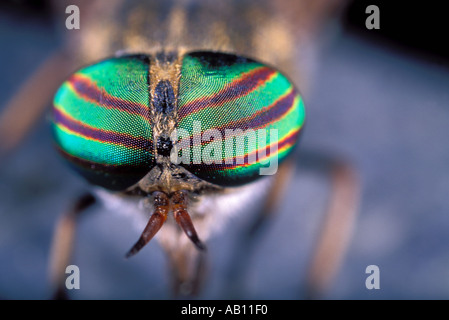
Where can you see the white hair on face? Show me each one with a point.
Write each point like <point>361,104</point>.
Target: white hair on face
<point>210,213</point>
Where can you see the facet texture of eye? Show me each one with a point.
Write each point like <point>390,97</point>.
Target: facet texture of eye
<point>240,114</point>
<point>102,122</point>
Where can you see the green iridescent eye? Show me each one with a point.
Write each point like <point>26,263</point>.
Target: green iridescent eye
<point>225,92</point>
<point>102,123</point>
<point>239,115</point>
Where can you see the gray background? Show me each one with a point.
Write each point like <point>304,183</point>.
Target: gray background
<point>385,110</point>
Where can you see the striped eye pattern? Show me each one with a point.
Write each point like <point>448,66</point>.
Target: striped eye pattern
<point>102,122</point>
<point>237,97</point>
<point>103,127</point>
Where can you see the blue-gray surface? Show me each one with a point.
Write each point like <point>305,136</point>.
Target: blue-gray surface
<point>384,110</point>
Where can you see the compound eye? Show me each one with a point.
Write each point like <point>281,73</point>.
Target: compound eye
<point>101,122</point>
<point>241,115</point>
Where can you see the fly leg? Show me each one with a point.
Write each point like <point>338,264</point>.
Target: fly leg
<point>334,231</point>
<point>187,267</point>
<point>62,244</point>
<point>337,223</point>
<point>26,107</point>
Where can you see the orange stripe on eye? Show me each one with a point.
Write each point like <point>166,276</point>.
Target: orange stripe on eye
<point>245,84</point>
<point>266,115</point>
<point>85,88</point>
<point>64,120</point>
<point>283,144</point>
<point>290,94</point>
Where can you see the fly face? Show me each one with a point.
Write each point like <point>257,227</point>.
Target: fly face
<point>177,130</point>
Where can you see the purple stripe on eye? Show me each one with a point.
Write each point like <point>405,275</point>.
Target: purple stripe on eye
<point>267,115</point>
<point>88,90</point>
<point>272,113</point>
<point>286,142</point>
<point>102,136</point>
<point>242,86</point>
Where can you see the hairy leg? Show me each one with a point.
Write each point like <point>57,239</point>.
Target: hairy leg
<point>62,244</point>
<point>26,107</point>
<point>336,227</point>
<point>187,266</point>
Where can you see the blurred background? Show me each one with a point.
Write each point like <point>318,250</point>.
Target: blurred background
<point>379,98</point>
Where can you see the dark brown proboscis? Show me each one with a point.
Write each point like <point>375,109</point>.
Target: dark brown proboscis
<point>157,219</point>
<point>183,219</point>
